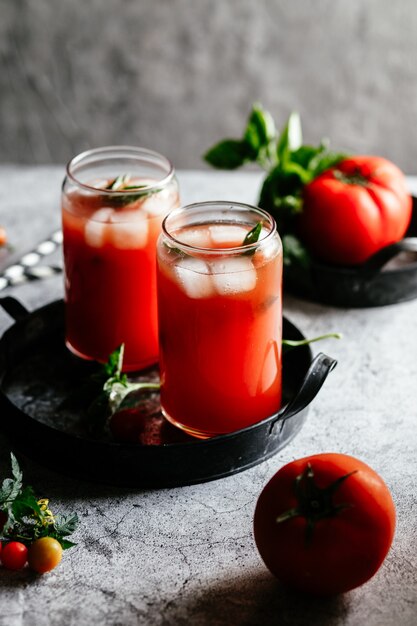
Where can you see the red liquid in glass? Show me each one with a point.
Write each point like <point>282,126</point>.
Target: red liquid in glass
<point>220,339</point>
<point>110,275</point>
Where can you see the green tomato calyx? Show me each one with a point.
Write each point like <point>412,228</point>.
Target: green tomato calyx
<point>313,502</point>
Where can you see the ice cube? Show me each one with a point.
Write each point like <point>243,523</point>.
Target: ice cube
<point>227,233</point>
<point>129,229</point>
<point>264,233</point>
<point>194,277</point>
<point>96,227</point>
<point>233,275</point>
<point>161,202</point>
<point>196,237</point>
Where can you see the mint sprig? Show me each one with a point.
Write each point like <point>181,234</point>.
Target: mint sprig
<point>289,164</point>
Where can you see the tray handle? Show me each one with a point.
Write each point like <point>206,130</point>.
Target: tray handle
<point>14,308</point>
<point>381,258</point>
<point>320,368</point>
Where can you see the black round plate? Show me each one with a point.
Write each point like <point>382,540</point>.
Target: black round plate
<point>38,374</point>
<point>368,285</point>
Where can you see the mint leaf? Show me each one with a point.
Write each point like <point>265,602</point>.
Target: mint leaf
<point>229,154</point>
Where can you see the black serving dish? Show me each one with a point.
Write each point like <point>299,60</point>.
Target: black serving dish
<point>368,285</point>
<point>37,373</point>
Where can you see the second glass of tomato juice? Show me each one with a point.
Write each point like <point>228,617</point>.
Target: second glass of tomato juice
<point>113,202</point>
<point>220,317</point>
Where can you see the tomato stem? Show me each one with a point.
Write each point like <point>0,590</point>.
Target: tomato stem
<point>313,502</point>
<point>351,178</point>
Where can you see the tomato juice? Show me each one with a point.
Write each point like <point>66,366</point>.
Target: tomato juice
<point>220,321</point>
<point>110,268</point>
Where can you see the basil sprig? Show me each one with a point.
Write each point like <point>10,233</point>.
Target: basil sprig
<point>289,164</point>
<point>121,183</point>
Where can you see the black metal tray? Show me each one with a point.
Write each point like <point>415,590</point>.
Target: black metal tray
<point>37,373</point>
<point>368,285</point>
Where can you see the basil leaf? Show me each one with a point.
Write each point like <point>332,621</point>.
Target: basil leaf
<point>253,235</point>
<point>295,252</point>
<point>117,182</point>
<point>260,130</point>
<point>291,137</point>
<point>304,155</point>
<point>323,162</point>
<point>229,154</point>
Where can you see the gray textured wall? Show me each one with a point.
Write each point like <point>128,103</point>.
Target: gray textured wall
<point>176,75</point>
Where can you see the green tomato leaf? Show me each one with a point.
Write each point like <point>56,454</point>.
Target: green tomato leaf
<point>230,154</point>
<point>66,524</point>
<point>66,544</point>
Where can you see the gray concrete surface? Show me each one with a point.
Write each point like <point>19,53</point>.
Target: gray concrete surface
<point>176,75</point>
<point>186,556</point>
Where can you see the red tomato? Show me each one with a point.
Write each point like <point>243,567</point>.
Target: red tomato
<point>326,529</point>
<point>14,555</point>
<point>128,425</point>
<point>355,209</point>
<point>44,554</point>
<point>131,425</point>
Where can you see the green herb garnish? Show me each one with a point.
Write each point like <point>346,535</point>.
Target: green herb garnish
<point>289,164</point>
<point>113,386</point>
<point>121,183</point>
<point>288,344</point>
<point>28,518</point>
<point>253,235</point>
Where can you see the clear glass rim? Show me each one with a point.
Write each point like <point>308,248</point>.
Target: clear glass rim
<point>220,204</point>
<point>134,151</point>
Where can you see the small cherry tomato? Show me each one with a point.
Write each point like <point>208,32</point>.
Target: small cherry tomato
<point>131,425</point>
<point>3,236</point>
<point>44,554</point>
<point>324,524</point>
<point>14,555</point>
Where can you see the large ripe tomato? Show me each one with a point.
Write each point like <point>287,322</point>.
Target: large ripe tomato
<point>355,209</point>
<point>324,524</point>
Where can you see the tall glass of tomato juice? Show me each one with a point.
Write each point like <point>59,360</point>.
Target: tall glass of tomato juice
<point>220,317</point>
<point>113,202</point>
